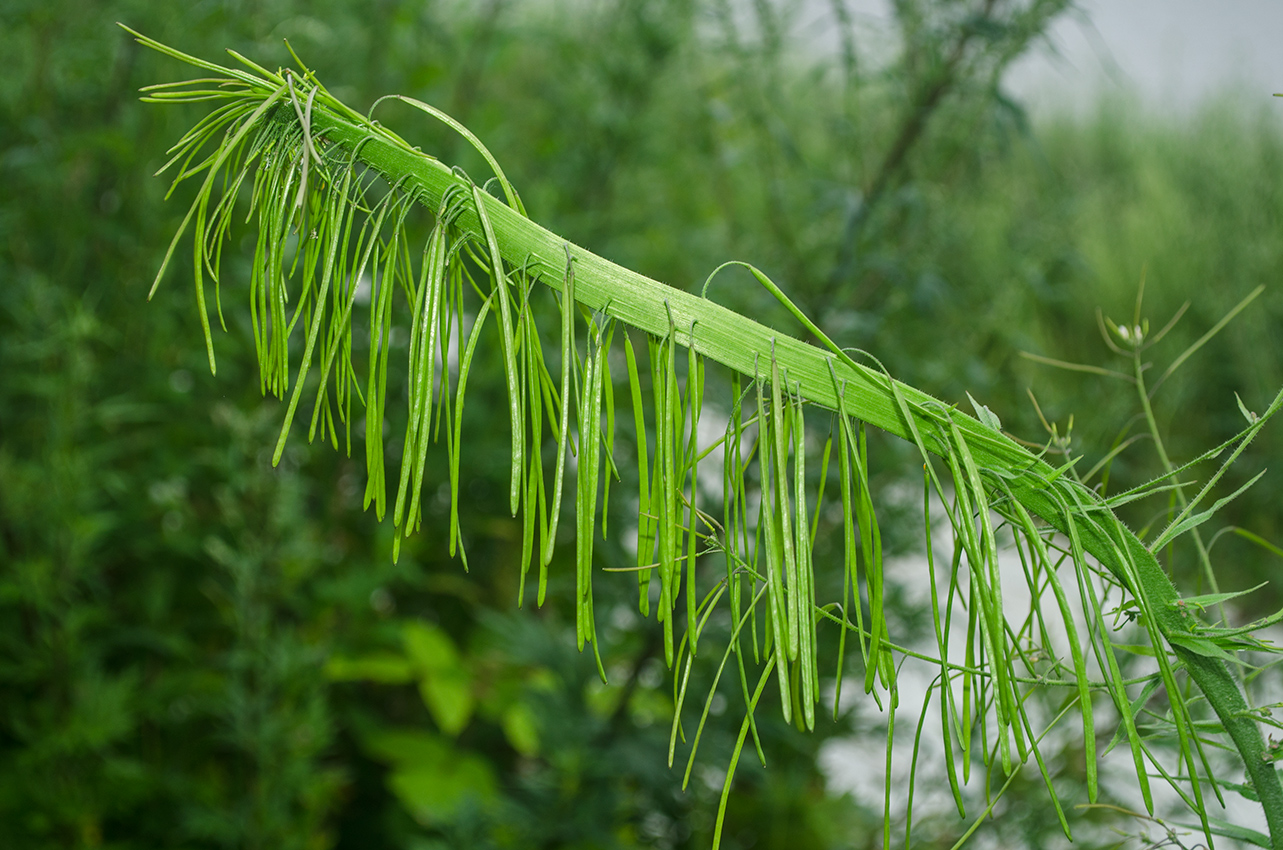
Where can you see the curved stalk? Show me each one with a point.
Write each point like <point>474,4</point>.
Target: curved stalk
<point>739,342</point>
<point>826,377</point>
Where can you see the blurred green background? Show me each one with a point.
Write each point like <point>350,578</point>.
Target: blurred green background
<point>200,651</point>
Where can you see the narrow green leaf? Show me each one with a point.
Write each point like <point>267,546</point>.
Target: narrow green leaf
<point>1231,830</point>
<point>1180,526</point>
<point>514,200</point>
<point>985,415</point>
<point>1207,600</point>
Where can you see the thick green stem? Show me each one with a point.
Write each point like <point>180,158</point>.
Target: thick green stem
<point>745,346</point>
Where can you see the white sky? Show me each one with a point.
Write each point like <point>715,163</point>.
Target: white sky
<point>1168,53</point>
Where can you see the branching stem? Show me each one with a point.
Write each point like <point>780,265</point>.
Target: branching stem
<point>739,342</point>
<point>978,454</point>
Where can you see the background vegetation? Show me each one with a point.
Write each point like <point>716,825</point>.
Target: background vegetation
<point>197,650</point>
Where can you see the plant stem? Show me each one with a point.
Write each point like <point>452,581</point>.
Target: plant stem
<point>1204,558</point>
<point>744,345</point>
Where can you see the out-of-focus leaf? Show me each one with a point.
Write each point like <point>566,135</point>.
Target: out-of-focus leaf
<point>1231,830</point>
<point>444,682</point>
<point>520,728</point>
<point>448,695</point>
<point>432,779</point>
<point>428,648</point>
<point>384,667</point>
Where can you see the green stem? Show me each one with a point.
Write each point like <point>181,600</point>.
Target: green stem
<point>1223,690</point>
<point>1204,558</point>
<point>829,379</point>
<point>740,343</point>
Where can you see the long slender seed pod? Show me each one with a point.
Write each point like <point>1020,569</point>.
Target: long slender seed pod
<point>608,439</point>
<point>465,367</point>
<point>768,521</point>
<point>803,591</point>
<point>942,646</point>
<point>781,419</point>
<point>645,535</point>
<point>509,344</point>
<point>651,524</point>
<point>669,425</point>
<point>563,430</point>
<point>695,391</point>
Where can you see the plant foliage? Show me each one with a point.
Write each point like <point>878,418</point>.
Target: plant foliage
<point>334,276</point>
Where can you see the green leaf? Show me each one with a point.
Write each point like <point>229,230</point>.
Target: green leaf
<point>985,415</point>
<point>1204,647</point>
<point>1250,416</point>
<point>428,647</point>
<point>434,781</point>
<point>1176,529</point>
<point>384,667</point>
<point>1207,600</point>
<point>521,729</point>
<point>445,682</point>
<point>448,697</point>
<point>1230,830</point>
